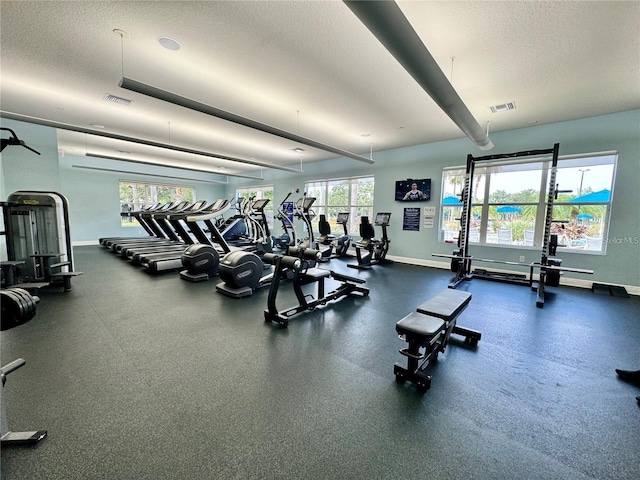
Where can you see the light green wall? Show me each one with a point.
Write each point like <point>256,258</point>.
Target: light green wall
<point>621,132</point>
<point>94,195</point>
<point>94,202</point>
<point>24,170</point>
<point>100,217</point>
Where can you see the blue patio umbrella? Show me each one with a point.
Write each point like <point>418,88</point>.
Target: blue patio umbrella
<point>509,209</point>
<point>602,196</point>
<point>451,201</point>
<point>585,216</point>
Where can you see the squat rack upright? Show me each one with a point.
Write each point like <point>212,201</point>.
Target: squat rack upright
<point>549,268</point>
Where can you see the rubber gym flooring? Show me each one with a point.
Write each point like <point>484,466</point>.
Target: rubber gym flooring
<point>143,377</point>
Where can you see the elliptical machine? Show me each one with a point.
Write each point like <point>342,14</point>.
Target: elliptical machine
<point>285,215</point>
<point>302,210</point>
<point>369,250</point>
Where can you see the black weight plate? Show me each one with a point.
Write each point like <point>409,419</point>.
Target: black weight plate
<point>10,311</point>
<point>17,300</point>
<point>28,303</point>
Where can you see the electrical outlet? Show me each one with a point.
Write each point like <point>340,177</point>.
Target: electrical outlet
<point>522,258</point>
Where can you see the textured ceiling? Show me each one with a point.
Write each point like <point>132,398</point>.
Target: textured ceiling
<point>310,68</point>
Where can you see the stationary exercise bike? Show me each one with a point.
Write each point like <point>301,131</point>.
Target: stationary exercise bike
<point>369,250</point>
<point>330,245</point>
<point>325,241</point>
<point>343,242</point>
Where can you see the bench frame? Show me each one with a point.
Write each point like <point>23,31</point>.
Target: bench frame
<point>427,331</point>
<point>349,286</point>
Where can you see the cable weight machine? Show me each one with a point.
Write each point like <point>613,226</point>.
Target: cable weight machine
<point>550,269</point>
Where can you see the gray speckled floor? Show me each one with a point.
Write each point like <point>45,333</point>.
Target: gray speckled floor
<point>141,377</point>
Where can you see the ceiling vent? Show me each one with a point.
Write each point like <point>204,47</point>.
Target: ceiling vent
<point>119,100</point>
<point>503,107</point>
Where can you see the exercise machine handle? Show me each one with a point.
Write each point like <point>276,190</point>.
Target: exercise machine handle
<point>284,261</point>
<point>305,253</point>
<point>10,367</point>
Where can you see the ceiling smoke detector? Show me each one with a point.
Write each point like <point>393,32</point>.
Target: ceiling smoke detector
<point>119,100</point>
<point>504,107</point>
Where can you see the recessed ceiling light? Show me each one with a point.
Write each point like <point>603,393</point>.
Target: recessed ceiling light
<point>123,151</point>
<point>169,43</point>
<point>298,150</point>
<point>95,125</point>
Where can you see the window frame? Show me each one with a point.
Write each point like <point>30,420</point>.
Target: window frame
<point>259,190</point>
<point>355,209</point>
<point>133,204</point>
<point>482,202</point>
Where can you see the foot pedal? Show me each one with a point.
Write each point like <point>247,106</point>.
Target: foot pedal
<point>23,438</point>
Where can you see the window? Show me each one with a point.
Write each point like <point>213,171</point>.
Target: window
<point>509,202</point>
<point>259,193</point>
<point>135,196</point>
<point>351,195</point>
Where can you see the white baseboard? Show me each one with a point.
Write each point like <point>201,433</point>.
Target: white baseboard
<point>572,282</point>
<point>85,243</point>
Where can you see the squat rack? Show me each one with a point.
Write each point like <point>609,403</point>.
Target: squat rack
<point>549,268</point>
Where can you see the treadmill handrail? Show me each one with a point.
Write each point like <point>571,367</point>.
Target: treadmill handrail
<point>194,208</point>
<point>209,215</point>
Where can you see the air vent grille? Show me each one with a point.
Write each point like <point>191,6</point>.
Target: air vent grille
<point>503,107</point>
<point>119,100</point>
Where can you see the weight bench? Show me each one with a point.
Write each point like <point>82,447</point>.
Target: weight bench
<point>349,286</point>
<point>427,331</point>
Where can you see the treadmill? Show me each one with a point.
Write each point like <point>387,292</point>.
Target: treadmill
<point>156,264</point>
<point>152,218</point>
<point>172,219</point>
<point>153,234</point>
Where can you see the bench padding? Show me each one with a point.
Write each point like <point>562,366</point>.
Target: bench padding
<point>420,324</point>
<point>316,273</point>
<point>446,305</point>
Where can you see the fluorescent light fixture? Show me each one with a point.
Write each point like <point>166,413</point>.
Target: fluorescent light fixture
<point>150,91</point>
<point>142,162</point>
<point>389,25</point>
<point>86,167</point>
<point>74,128</point>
